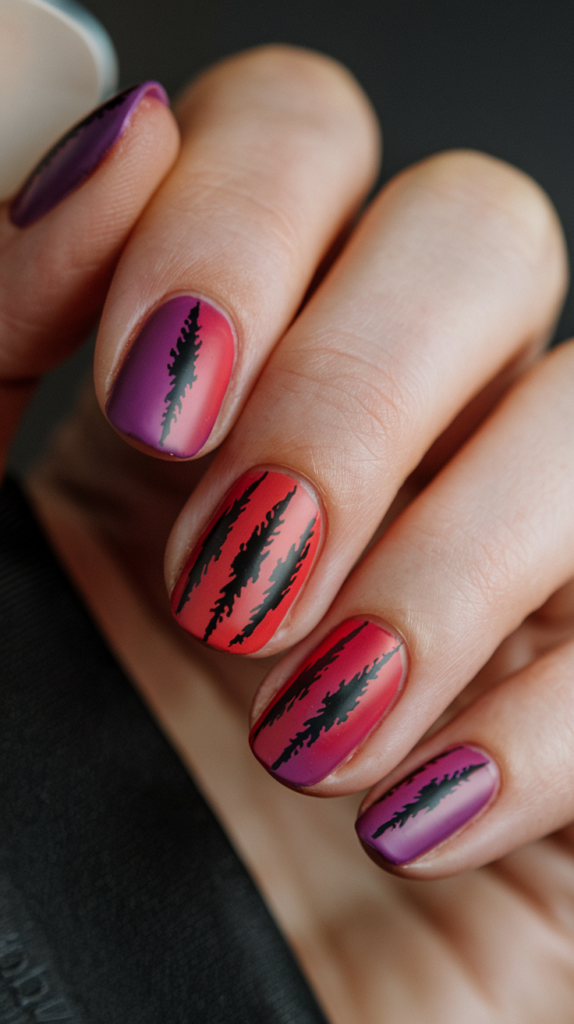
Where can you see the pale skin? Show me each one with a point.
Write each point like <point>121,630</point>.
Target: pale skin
<point>411,388</point>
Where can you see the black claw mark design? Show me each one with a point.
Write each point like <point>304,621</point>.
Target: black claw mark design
<point>212,546</point>
<point>182,368</point>
<point>248,561</point>
<point>336,708</point>
<point>303,682</point>
<point>281,580</point>
<point>429,796</point>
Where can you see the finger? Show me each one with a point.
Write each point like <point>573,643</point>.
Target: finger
<point>499,776</point>
<point>458,267</point>
<point>62,235</point>
<point>485,545</point>
<point>279,148</point>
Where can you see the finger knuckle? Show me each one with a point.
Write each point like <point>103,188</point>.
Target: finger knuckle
<point>294,92</point>
<point>354,413</point>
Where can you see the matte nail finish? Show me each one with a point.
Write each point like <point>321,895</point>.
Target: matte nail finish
<point>250,563</point>
<point>331,704</point>
<point>78,153</point>
<point>431,804</point>
<point>170,389</point>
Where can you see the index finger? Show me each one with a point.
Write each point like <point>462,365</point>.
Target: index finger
<point>279,148</point>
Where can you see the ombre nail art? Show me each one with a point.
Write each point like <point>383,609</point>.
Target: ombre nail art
<point>250,564</point>
<point>78,153</point>
<point>170,389</point>
<point>331,704</point>
<point>431,804</point>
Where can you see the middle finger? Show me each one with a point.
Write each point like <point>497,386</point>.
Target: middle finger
<point>457,268</point>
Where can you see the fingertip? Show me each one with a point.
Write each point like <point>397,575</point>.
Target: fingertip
<point>81,151</point>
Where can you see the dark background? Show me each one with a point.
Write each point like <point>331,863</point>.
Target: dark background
<point>492,75</point>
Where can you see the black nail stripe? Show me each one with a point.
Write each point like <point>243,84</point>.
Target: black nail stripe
<point>182,368</point>
<point>417,771</point>
<point>281,579</point>
<point>336,708</point>
<point>246,566</point>
<point>212,546</point>
<point>429,796</point>
<point>302,683</point>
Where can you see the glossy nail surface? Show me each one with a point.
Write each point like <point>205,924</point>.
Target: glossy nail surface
<point>170,389</point>
<point>78,153</point>
<point>431,804</point>
<point>250,563</point>
<point>331,704</point>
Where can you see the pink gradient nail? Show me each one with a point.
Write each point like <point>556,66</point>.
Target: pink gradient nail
<point>331,704</point>
<point>169,391</point>
<point>429,805</point>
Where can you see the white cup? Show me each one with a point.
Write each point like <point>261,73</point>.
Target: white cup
<point>56,63</point>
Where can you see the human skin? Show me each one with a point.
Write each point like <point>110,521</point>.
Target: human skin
<point>438,306</point>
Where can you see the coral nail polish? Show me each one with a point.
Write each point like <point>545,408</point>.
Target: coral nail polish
<point>250,564</point>
<point>78,153</point>
<point>331,704</point>
<point>429,805</point>
<point>170,389</point>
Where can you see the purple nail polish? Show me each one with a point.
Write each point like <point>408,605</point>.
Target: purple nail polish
<point>431,804</point>
<point>170,388</point>
<point>78,153</point>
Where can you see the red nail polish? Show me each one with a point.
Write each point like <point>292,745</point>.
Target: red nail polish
<point>331,704</point>
<point>250,564</point>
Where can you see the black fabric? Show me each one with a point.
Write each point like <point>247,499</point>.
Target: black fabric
<point>121,900</point>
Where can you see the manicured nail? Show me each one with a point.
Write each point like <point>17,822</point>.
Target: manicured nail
<point>331,704</point>
<point>170,389</point>
<point>78,154</point>
<point>250,564</point>
<point>431,804</point>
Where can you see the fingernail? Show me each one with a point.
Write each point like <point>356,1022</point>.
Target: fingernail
<point>331,704</point>
<point>170,389</point>
<point>78,153</point>
<point>250,564</point>
<point>431,804</point>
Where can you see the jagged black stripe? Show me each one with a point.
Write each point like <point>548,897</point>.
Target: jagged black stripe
<point>302,683</point>
<point>247,563</point>
<point>182,368</point>
<point>428,797</point>
<point>211,547</point>
<point>335,708</point>
<point>281,580</point>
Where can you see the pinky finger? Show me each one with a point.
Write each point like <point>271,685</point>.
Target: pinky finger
<point>499,775</point>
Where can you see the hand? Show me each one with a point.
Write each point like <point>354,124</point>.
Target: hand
<point>409,388</point>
